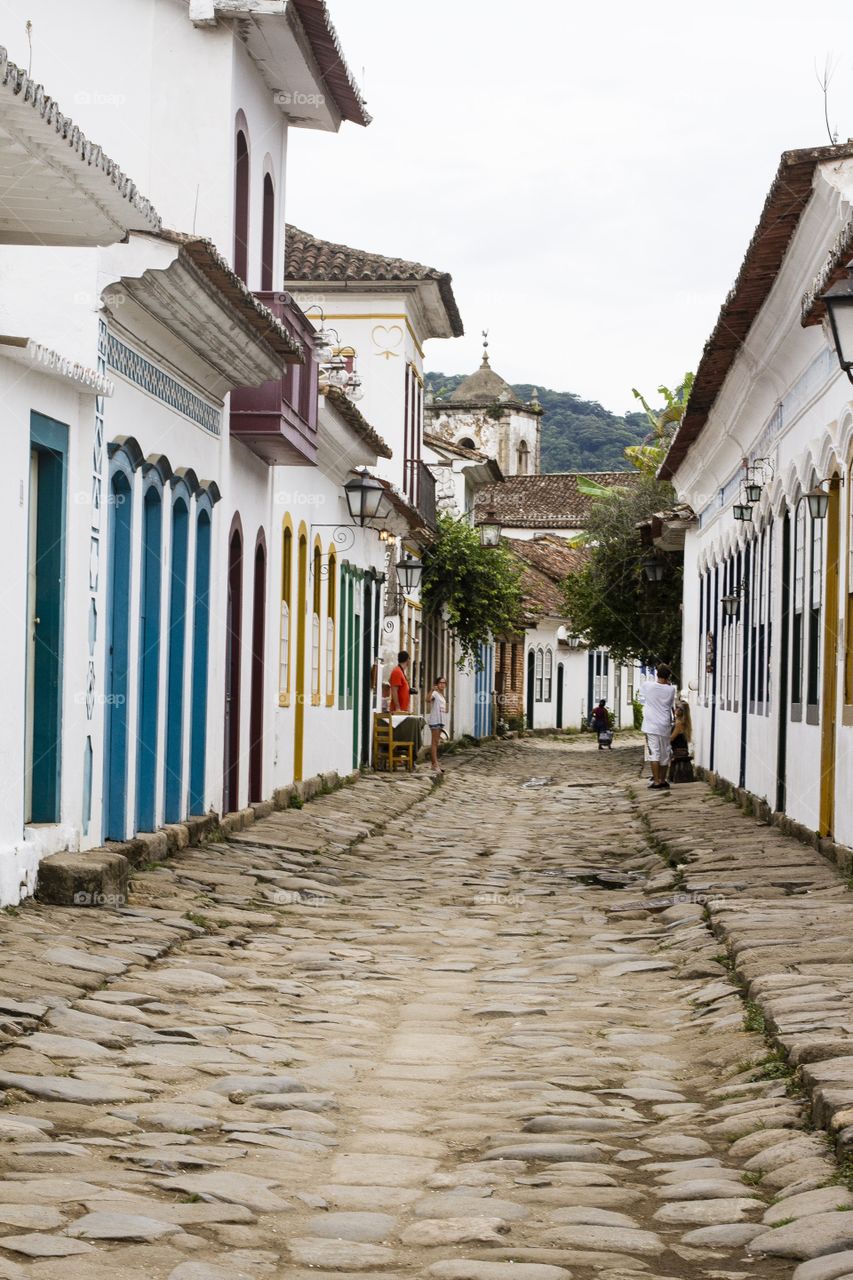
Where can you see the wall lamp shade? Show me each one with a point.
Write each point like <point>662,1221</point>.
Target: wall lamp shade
<point>574,642</point>
<point>839,308</point>
<point>654,568</point>
<point>730,605</point>
<point>409,572</point>
<point>818,503</point>
<point>365,498</point>
<point>742,511</point>
<point>490,529</point>
<point>752,490</point>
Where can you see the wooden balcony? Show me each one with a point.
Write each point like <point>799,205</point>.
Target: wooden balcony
<point>278,419</point>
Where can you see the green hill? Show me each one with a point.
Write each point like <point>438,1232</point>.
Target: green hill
<point>577,435</point>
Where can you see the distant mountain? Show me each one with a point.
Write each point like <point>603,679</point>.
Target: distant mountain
<point>577,435</point>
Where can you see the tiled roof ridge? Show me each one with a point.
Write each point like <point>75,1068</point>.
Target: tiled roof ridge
<point>315,18</point>
<point>349,263</point>
<point>89,153</point>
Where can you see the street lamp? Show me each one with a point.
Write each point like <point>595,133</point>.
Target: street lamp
<point>818,501</point>
<point>365,497</point>
<point>742,511</point>
<point>730,605</point>
<point>839,308</point>
<point>654,568</point>
<point>574,642</point>
<point>409,572</point>
<point>490,529</point>
<point>752,491</point>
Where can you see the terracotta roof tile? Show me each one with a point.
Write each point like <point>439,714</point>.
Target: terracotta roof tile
<point>546,501</point>
<point>545,564</point>
<point>337,77</point>
<point>307,258</point>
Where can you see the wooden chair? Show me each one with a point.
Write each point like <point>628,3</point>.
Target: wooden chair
<point>386,752</point>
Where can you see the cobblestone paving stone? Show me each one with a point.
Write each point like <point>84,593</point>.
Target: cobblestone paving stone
<point>474,1032</point>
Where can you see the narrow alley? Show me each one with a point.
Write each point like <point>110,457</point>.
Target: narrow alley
<point>468,1031</point>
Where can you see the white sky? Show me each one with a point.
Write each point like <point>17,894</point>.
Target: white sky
<point>590,174</point>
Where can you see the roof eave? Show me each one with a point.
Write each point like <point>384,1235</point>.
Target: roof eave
<point>82,186</point>
<point>784,205</point>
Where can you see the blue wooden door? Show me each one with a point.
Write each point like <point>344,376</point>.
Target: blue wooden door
<point>201,642</point>
<point>149,661</point>
<point>118,638</point>
<point>49,442</point>
<point>173,789</point>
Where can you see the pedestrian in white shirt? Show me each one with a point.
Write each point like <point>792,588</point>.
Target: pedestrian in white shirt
<point>438,719</point>
<point>658,699</point>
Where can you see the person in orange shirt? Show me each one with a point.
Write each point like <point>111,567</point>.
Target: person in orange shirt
<point>400,690</point>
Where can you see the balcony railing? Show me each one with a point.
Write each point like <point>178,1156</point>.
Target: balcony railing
<point>278,420</point>
<point>419,488</point>
<point>425,494</point>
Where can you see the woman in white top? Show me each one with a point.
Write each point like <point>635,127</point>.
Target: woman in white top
<point>438,720</point>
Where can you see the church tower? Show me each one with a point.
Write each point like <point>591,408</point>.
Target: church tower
<point>484,413</point>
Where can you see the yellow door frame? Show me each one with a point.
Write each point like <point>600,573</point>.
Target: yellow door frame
<point>301,611</point>
<point>830,660</point>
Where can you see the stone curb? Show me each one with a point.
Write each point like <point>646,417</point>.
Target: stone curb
<point>754,807</point>
<point>823,1062</point>
<point>101,876</point>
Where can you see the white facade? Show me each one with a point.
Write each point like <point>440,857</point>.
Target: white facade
<point>143,613</point>
<point>771,684</point>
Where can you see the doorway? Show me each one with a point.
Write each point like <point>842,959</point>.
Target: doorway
<point>560,678</point>
<point>233,639</point>
<point>830,661</point>
<point>201,642</point>
<point>45,604</point>
<point>118,644</point>
<point>301,609</point>
<point>149,660</point>
<point>256,705</point>
<point>531,683</point>
<point>173,805</point>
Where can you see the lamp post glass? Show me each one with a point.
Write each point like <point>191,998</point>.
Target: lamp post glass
<point>409,572</point>
<point>818,503</point>
<point>839,307</point>
<point>490,530</point>
<point>742,511</point>
<point>654,568</point>
<point>753,491</point>
<point>365,498</point>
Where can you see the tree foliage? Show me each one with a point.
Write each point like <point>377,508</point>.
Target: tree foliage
<point>610,601</point>
<point>479,587</point>
<point>648,456</point>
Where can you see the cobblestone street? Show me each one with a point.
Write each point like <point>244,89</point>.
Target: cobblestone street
<point>481,1030</point>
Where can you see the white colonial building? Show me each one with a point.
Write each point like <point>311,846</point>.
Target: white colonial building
<point>768,599</point>
<point>155,385</point>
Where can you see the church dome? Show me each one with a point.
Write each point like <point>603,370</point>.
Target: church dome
<point>484,387</point>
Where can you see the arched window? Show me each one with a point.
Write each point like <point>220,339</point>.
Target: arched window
<point>241,206</point>
<point>539,674</point>
<point>522,459</point>
<point>268,234</point>
<point>331,612</point>
<point>317,569</point>
<point>286,605</point>
<point>466,443</point>
<point>548,675</point>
